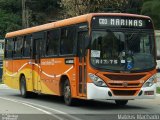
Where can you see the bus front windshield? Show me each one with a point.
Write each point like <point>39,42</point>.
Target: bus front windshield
<point>123,50</point>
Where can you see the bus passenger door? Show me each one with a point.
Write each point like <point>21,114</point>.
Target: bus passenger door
<point>82,64</point>
<point>36,67</point>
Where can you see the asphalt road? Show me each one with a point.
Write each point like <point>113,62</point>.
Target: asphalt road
<point>45,107</point>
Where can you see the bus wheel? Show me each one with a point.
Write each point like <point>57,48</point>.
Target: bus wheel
<point>23,88</point>
<point>67,94</point>
<point>121,102</point>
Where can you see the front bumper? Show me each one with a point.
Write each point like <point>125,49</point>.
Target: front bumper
<point>101,93</point>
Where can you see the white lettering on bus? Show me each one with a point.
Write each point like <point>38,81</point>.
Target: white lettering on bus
<point>121,22</point>
<point>140,23</point>
<point>112,21</point>
<point>117,22</point>
<point>135,23</point>
<point>130,22</point>
<point>103,21</point>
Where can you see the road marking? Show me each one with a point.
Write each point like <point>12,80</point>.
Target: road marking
<point>26,104</point>
<point>12,100</point>
<point>60,112</point>
<point>49,113</point>
<point>37,108</point>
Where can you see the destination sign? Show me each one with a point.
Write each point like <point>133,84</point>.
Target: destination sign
<point>122,22</point>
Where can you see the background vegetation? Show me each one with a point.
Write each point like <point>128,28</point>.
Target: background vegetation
<point>43,11</point>
<point>158,90</point>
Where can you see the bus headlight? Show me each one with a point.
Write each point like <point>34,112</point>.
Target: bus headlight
<point>150,81</point>
<point>97,81</point>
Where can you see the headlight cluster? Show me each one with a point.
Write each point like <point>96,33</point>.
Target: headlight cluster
<point>150,81</point>
<point>97,81</point>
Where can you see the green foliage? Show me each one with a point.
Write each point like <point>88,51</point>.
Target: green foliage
<point>152,8</point>
<point>13,6</point>
<point>40,12</point>
<point>134,6</point>
<point>8,22</point>
<point>10,16</point>
<point>43,11</point>
<point>78,7</point>
<point>158,90</point>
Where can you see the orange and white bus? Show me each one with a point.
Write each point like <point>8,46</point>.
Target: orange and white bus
<point>95,56</point>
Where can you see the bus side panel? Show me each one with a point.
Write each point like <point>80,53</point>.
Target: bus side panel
<point>22,67</point>
<point>51,71</point>
<point>68,69</point>
<point>7,73</point>
<point>48,83</point>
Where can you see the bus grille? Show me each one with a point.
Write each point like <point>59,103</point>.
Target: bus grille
<point>121,85</point>
<point>124,92</point>
<point>124,77</point>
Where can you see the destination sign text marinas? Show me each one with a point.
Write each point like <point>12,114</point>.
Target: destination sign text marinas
<point>120,22</point>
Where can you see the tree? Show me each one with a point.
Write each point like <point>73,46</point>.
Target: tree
<point>42,11</point>
<point>79,7</point>
<point>10,16</point>
<point>12,6</point>
<point>133,6</point>
<point>8,22</point>
<point>151,8</point>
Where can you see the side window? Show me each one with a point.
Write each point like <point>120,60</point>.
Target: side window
<point>18,47</point>
<point>42,46</point>
<point>39,44</point>
<point>9,48</point>
<point>27,46</point>
<point>67,43</point>
<point>52,42</point>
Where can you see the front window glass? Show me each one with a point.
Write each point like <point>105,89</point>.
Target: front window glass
<point>122,50</point>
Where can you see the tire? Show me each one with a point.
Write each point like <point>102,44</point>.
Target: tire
<point>67,94</point>
<point>23,88</point>
<point>121,102</point>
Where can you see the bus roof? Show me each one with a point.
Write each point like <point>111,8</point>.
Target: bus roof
<point>65,22</point>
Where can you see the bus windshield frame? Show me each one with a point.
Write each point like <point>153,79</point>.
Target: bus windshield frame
<point>129,58</point>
